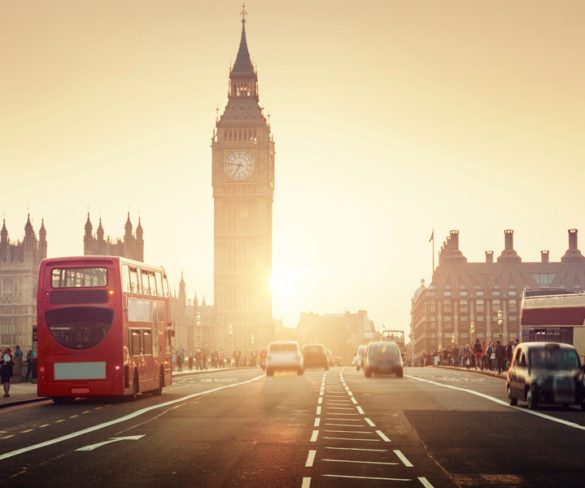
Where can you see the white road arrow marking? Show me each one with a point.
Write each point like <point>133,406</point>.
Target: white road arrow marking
<point>113,439</point>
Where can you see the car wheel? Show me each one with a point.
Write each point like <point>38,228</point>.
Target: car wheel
<point>399,373</point>
<point>511,400</point>
<point>269,372</point>
<point>531,399</point>
<point>62,400</point>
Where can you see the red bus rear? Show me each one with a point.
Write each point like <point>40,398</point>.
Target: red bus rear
<point>104,328</point>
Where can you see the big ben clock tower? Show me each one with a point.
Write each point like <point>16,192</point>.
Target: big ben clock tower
<point>243,189</point>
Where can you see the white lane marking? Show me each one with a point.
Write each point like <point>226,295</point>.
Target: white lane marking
<point>504,403</point>
<point>338,402</point>
<point>92,447</point>
<point>403,458</point>
<point>349,393</point>
<point>369,422</point>
<point>320,401</point>
<point>85,412</point>
<point>342,413</point>
<point>119,420</point>
<point>310,458</point>
<point>43,426</point>
<point>383,436</point>
<point>354,400</point>
<point>7,436</point>
<point>352,439</point>
<point>317,422</point>
<point>97,408</point>
<point>425,482</point>
<point>26,431</point>
<point>359,462</point>
<point>342,425</point>
<point>349,431</point>
<point>306,483</point>
<point>364,477</point>
<point>59,421</point>
<point>73,416</point>
<point>360,410</point>
<point>314,436</point>
<point>318,411</point>
<point>357,449</point>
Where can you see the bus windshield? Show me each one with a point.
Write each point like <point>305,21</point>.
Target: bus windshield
<point>79,327</point>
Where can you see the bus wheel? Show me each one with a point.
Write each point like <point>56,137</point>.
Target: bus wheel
<point>135,386</point>
<point>161,383</point>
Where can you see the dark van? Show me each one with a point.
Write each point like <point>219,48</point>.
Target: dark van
<point>545,372</point>
<point>383,357</point>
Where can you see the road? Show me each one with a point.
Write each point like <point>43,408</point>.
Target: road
<point>434,427</point>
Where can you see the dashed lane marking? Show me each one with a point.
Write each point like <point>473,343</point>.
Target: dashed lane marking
<point>310,458</point>
<point>359,462</point>
<point>383,436</point>
<point>349,431</point>
<point>26,431</point>
<point>351,439</point>
<point>357,449</point>
<point>360,410</point>
<point>318,411</point>
<point>314,436</point>
<point>425,482</point>
<point>341,413</point>
<point>354,400</point>
<point>43,426</point>
<point>403,458</point>
<point>306,483</point>
<point>317,422</point>
<point>369,422</point>
<point>364,477</point>
<point>342,425</point>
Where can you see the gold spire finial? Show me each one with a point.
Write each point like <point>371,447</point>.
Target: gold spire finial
<point>244,12</point>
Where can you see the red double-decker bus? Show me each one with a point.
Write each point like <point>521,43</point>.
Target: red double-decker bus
<point>104,328</point>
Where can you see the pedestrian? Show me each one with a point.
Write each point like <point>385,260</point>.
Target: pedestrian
<point>29,365</point>
<point>477,352</point>
<point>500,357</point>
<point>18,363</point>
<point>6,365</point>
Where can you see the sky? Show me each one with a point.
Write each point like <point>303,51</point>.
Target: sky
<point>390,118</point>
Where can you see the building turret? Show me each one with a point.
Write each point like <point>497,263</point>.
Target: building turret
<point>42,241</point>
<point>100,231</point>
<point>450,251</point>
<point>128,227</point>
<point>140,240</point>
<point>30,240</point>
<point>4,242</point>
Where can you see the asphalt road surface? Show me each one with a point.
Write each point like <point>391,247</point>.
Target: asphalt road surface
<point>335,428</point>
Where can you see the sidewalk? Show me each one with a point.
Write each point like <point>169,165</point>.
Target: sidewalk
<point>485,372</point>
<point>21,393</point>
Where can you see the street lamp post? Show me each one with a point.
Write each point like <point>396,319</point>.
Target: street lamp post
<point>500,322</point>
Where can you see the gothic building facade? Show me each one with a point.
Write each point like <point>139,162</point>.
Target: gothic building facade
<point>131,246</point>
<point>466,300</point>
<point>19,264</point>
<point>243,189</point>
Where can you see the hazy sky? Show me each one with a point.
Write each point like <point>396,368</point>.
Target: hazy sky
<point>390,118</point>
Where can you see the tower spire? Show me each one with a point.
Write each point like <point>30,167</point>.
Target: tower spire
<point>243,64</point>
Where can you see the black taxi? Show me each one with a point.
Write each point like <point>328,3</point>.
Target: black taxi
<point>545,372</point>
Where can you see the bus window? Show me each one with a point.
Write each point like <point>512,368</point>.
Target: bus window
<point>145,282</point>
<point>153,290</point>
<point>159,287</point>
<point>125,278</point>
<point>79,277</point>
<point>147,342</point>
<point>134,281</point>
<point>135,342</point>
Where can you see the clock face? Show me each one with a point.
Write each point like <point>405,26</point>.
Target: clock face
<point>239,165</point>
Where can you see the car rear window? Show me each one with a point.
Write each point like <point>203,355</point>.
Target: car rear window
<point>554,359</point>
<point>283,347</point>
<point>313,350</point>
<point>383,350</point>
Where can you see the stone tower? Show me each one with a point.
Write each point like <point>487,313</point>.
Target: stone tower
<point>243,189</point>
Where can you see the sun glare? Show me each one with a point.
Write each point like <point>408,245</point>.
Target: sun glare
<point>284,283</point>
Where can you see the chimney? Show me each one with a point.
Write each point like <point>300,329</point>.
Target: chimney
<point>509,239</point>
<point>573,239</point>
<point>489,257</point>
<point>544,257</point>
<point>454,239</point>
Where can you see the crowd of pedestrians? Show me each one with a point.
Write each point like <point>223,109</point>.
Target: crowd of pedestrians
<point>491,356</point>
<point>202,359</point>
